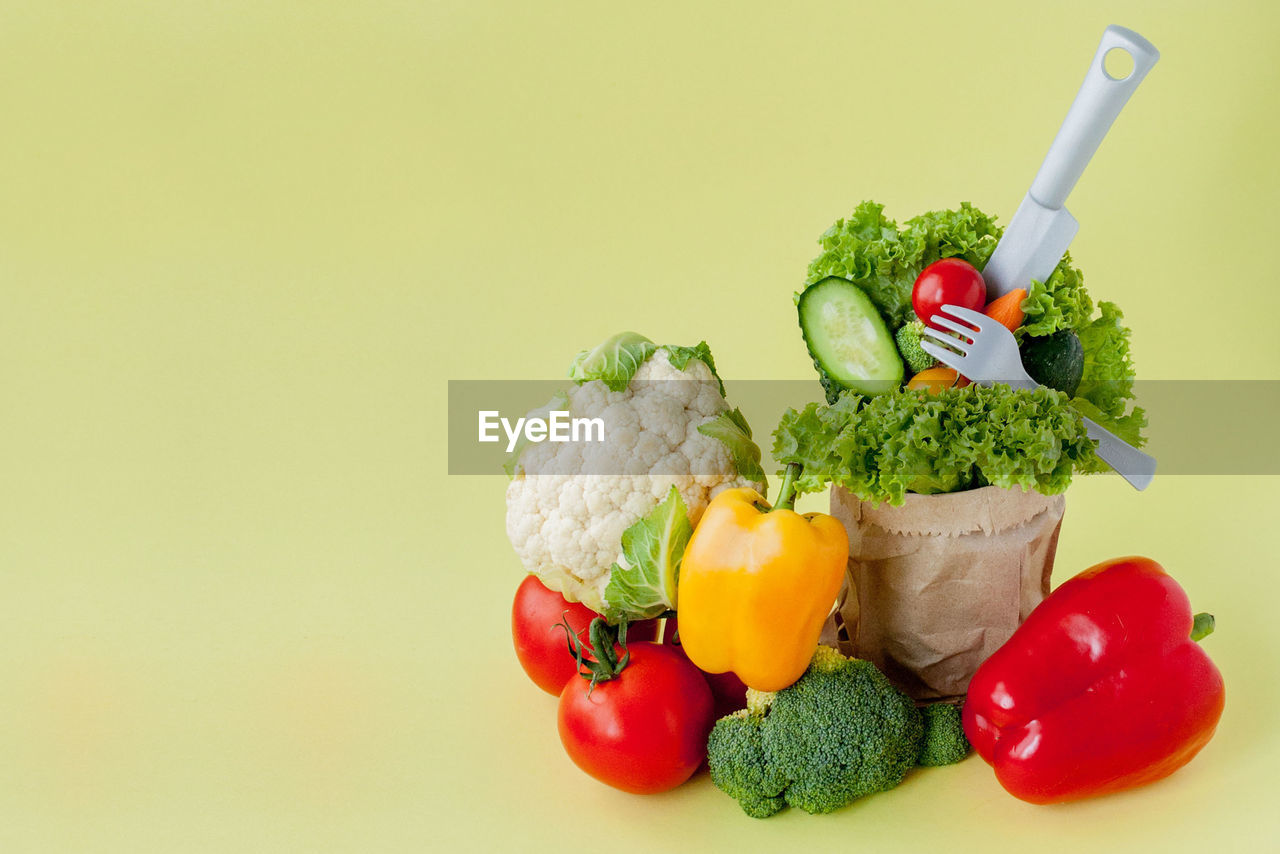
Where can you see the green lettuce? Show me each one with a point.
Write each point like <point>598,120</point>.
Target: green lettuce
<point>643,583</point>
<point>882,447</point>
<point>966,233</point>
<point>1061,302</point>
<point>868,249</point>
<point>1106,386</point>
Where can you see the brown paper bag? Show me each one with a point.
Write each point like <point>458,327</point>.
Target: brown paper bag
<point>942,581</point>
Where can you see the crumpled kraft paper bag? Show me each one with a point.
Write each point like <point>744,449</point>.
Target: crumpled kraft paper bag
<point>942,581</point>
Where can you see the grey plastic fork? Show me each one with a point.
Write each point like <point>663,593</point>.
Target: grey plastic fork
<point>990,355</point>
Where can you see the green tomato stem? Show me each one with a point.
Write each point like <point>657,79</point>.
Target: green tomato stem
<point>606,665</point>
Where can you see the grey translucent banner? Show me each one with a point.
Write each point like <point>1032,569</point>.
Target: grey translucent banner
<point>1195,427</point>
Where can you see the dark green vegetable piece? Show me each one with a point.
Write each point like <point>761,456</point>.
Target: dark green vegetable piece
<point>944,742</point>
<point>1056,360</point>
<point>840,732</point>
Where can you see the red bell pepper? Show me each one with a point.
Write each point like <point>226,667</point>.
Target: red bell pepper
<point>1103,688</point>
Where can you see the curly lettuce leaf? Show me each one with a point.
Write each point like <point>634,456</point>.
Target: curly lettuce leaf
<point>868,249</point>
<point>1128,427</point>
<point>642,584</point>
<point>809,437</point>
<point>1106,387</point>
<point>882,447</point>
<point>967,233</point>
<point>731,428</point>
<point>1061,302</point>
<point>1107,381</point>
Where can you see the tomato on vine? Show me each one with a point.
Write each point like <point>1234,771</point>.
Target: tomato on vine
<point>537,631</point>
<point>637,720</point>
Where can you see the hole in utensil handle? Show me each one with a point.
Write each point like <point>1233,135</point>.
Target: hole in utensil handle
<point>1117,63</point>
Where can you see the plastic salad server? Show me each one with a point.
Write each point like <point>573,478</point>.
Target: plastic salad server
<point>1042,229</point>
<point>988,354</point>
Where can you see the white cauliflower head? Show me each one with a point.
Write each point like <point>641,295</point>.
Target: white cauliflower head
<point>568,504</point>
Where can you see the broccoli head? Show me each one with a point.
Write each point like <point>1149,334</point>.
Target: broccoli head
<point>944,741</point>
<point>908,338</point>
<point>840,732</point>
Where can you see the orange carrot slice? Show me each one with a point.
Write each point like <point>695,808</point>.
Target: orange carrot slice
<point>1007,310</point>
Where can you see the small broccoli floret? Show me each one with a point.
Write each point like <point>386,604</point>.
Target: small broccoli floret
<point>735,753</point>
<point>944,741</point>
<point>908,338</point>
<point>840,732</point>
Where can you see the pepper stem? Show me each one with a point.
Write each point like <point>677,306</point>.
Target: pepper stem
<point>787,492</point>
<point>1201,626</point>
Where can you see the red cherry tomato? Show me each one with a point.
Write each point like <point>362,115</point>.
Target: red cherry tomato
<point>951,281</point>
<point>644,731</point>
<point>540,640</point>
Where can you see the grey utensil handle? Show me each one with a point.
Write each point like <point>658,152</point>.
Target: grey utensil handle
<point>1099,101</point>
<point>1134,466</point>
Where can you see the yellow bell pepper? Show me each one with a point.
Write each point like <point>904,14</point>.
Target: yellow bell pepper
<point>757,583</point>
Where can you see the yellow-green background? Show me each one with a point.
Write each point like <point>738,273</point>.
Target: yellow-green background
<point>243,245</point>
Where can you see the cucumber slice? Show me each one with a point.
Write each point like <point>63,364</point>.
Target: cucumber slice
<point>847,338</point>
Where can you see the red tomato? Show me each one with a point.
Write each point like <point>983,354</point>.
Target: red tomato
<point>541,645</point>
<point>644,731</point>
<point>729,692</point>
<point>951,281</point>
<point>540,641</point>
<point>645,630</point>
